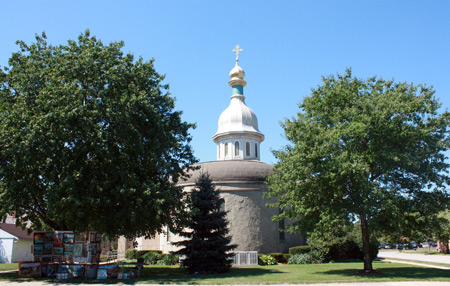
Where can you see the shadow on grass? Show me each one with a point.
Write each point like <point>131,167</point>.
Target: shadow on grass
<point>155,275</point>
<point>383,273</point>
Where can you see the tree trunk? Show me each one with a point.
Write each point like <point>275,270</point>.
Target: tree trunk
<point>366,244</point>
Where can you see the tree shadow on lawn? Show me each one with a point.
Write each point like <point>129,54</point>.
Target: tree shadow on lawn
<point>163,275</point>
<point>385,273</point>
<point>154,275</point>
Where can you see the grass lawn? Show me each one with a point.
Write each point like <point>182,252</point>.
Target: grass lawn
<point>279,274</point>
<point>8,266</point>
<point>416,261</point>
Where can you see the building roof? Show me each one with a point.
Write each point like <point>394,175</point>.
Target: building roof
<point>17,231</point>
<point>244,171</point>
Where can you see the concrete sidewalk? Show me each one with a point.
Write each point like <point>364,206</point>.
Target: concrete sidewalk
<point>389,255</point>
<point>405,283</point>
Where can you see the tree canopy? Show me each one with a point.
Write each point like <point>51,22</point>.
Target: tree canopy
<point>370,150</point>
<point>90,140</point>
<point>207,247</point>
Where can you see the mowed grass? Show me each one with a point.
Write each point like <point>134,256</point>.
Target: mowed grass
<point>8,266</point>
<point>282,274</point>
<point>278,274</point>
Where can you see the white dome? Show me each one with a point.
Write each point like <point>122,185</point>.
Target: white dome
<point>237,118</point>
<point>237,135</point>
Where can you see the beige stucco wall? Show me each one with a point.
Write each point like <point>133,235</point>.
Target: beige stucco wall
<point>250,221</point>
<point>251,225</point>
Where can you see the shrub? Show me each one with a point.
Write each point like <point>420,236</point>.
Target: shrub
<point>286,257</point>
<point>278,257</point>
<point>342,243</point>
<point>168,259</point>
<point>299,249</point>
<point>142,253</point>
<point>312,257</point>
<point>267,260</point>
<point>152,257</point>
<point>130,253</point>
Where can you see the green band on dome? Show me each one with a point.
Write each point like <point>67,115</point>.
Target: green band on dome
<point>238,89</point>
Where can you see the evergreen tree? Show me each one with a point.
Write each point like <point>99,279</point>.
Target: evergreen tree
<point>207,248</point>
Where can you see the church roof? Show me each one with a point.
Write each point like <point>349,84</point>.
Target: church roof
<point>230,171</point>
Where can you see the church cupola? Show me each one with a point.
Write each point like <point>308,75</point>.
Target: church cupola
<point>238,136</point>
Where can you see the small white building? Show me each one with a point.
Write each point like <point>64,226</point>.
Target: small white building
<point>15,244</point>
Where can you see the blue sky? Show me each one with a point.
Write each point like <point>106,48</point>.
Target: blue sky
<point>288,46</point>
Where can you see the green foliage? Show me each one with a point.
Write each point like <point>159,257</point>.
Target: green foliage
<point>342,243</point>
<point>207,248</point>
<point>152,257</point>
<point>444,233</point>
<point>168,259</point>
<point>286,256</point>
<point>89,138</point>
<point>131,253</point>
<point>299,249</point>
<point>367,150</point>
<point>278,257</point>
<point>156,257</point>
<point>266,260</point>
<point>143,253</point>
<point>312,257</point>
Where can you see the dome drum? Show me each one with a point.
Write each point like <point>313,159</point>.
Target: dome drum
<point>243,148</point>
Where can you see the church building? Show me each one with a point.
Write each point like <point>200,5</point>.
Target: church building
<point>239,175</point>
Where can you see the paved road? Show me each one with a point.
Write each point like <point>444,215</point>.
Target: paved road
<point>395,254</point>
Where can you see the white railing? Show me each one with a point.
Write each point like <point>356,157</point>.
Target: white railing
<point>245,258</point>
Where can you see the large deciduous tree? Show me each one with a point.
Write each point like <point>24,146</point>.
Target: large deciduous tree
<point>89,139</point>
<point>363,150</point>
<point>207,247</point>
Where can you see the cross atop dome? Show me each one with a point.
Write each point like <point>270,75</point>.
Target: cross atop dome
<point>237,50</point>
<point>237,74</point>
